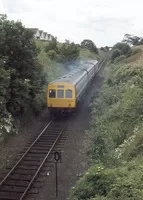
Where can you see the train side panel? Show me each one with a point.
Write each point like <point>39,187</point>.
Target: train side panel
<point>85,80</point>
<point>92,70</point>
<point>81,86</point>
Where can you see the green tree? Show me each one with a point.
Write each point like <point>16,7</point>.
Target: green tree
<point>68,52</point>
<point>116,53</point>
<point>89,44</point>
<point>19,52</point>
<point>52,54</point>
<point>107,48</point>
<point>134,40</point>
<point>52,45</point>
<point>123,48</point>
<point>102,48</point>
<point>120,49</point>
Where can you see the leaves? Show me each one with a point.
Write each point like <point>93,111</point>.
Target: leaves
<point>21,75</point>
<point>120,49</point>
<point>117,135</point>
<point>89,44</point>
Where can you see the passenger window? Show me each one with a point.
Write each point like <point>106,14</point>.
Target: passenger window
<point>52,93</point>
<point>60,94</point>
<point>68,93</point>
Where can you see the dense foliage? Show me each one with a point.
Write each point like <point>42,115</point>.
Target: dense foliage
<point>116,129</point>
<point>89,44</point>
<point>120,49</point>
<point>62,52</point>
<point>133,39</point>
<point>106,48</point>
<point>21,75</point>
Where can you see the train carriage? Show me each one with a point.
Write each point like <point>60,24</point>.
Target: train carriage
<point>64,93</point>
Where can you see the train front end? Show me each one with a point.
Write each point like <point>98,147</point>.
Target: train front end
<point>61,97</point>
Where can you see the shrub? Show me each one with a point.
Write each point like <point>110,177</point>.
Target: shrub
<point>97,181</point>
<point>52,45</point>
<point>119,59</point>
<point>120,49</point>
<point>116,53</point>
<point>52,54</point>
<point>123,47</point>
<point>102,183</point>
<point>135,51</point>
<point>89,44</point>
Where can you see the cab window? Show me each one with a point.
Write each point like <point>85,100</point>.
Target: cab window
<point>60,94</point>
<point>68,93</point>
<point>52,93</point>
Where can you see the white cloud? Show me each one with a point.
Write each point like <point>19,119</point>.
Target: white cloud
<point>105,22</point>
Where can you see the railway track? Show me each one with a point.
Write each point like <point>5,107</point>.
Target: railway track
<point>20,178</point>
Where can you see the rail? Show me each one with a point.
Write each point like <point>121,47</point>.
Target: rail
<point>20,178</point>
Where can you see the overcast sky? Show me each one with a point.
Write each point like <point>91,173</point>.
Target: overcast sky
<point>104,22</point>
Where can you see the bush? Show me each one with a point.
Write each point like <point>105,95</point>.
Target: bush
<point>120,49</point>
<point>97,181</point>
<point>102,183</point>
<point>119,59</point>
<point>135,51</point>
<point>89,44</point>
<point>68,52</point>
<point>52,54</point>
<point>104,48</point>
<point>116,53</point>
<point>123,47</point>
<point>62,52</point>
<point>52,45</point>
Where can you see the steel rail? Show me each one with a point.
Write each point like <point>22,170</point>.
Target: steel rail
<point>24,192</point>
<point>26,152</point>
<point>44,160</point>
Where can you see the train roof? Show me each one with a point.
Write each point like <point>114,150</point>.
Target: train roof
<point>76,73</point>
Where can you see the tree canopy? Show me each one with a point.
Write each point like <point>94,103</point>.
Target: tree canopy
<point>21,76</point>
<point>120,49</point>
<point>89,44</point>
<point>62,52</point>
<point>133,39</point>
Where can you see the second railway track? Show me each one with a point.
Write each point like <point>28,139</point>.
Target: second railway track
<point>16,184</point>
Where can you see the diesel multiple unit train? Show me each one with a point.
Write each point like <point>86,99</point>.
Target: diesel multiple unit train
<point>64,94</point>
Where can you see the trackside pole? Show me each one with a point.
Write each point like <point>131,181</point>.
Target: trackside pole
<point>57,157</point>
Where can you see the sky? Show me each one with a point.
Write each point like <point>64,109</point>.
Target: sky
<point>104,22</point>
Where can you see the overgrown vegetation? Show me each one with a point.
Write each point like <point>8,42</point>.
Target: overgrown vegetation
<point>120,51</point>
<point>133,39</point>
<point>62,52</point>
<point>89,44</point>
<point>117,132</point>
<point>106,48</point>
<point>52,68</point>
<point>21,75</point>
